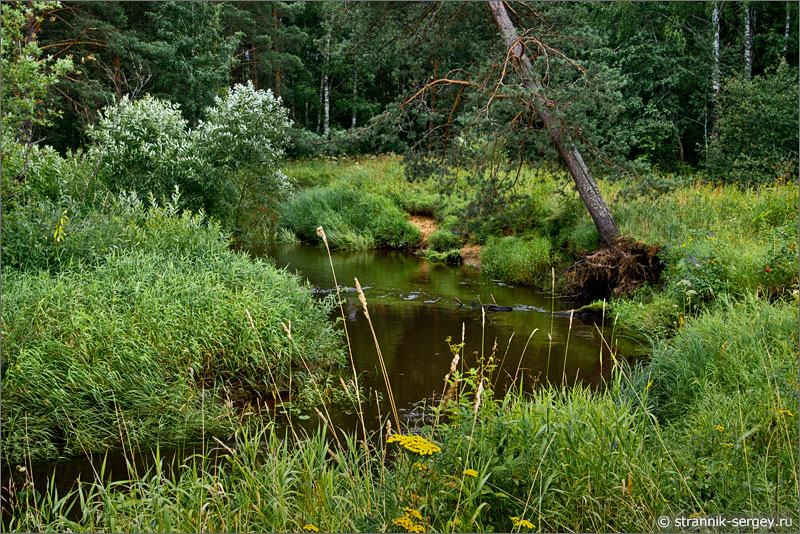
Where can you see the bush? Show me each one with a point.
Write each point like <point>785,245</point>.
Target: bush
<point>243,138</point>
<point>757,135</point>
<point>232,156</point>
<point>442,240</point>
<point>514,260</point>
<point>144,146</point>
<point>351,219</point>
<point>32,173</point>
<point>140,341</point>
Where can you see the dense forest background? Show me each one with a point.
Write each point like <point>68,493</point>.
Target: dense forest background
<point>642,85</point>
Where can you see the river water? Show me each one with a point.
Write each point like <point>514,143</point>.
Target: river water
<point>414,307</point>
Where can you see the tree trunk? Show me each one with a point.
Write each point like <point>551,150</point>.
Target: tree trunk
<point>786,33</point>
<point>715,70</point>
<point>587,187</point>
<point>326,91</point>
<point>326,104</point>
<point>355,95</point>
<point>275,50</point>
<point>748,42</point>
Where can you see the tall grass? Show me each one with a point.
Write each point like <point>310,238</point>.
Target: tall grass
<point>715,434</point>
<point>353,220</point>
<point>516,260</point>
<point>151,339</point>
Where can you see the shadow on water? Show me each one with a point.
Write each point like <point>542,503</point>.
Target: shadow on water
<point>414,306</point>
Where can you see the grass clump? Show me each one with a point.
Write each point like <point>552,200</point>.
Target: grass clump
<point>452,256</point>
<point>352,219</point>
<point>443,240</point>
<point>517,260</point>
<point>139,341</point>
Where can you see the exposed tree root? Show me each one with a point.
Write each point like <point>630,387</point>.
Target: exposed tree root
<point>614,271</point>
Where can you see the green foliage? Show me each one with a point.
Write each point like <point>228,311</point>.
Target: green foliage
<point>191,54</point>
<point>243,137</point>
<point>516,260</point>
<point>144,146</point>
<point>442,240</point>
<point>35,172</point>
<point>757,129</point>
<point>144,340</point>
<point>451,256</point>
<point>232,156</point>
<point>26,74</point>
<point>351,219</point>
<point>46,235</point>
<point>705,428</point>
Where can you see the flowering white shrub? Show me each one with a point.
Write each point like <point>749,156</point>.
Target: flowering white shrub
<point>245,134</point>
<point>230,157</point>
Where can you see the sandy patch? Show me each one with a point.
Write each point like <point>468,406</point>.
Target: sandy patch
<point>471,255</point>
<point>426,226</point>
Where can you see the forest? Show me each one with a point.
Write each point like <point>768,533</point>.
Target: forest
<point>400,266</point>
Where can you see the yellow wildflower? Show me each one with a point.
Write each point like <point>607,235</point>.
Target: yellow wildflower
<point>421,467</point>
<point>413,443</point>
<point>786,412</point>
<point>408,524</point>
<point>727,444</point>
<point>310,528</point>
<point>719,428</point>
<point>412,513</point>
<point>521,522</point>
<point>471,472</point>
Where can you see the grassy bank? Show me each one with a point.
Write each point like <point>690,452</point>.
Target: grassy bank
<point>715,240</point>
<point>686,436</point>
<point>140,328</point>
<point>353,219</point>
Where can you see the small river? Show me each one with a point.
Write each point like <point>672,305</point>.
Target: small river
<point>414,306</point>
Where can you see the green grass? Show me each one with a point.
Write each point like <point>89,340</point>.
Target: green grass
<point>149,338</point>
<point>443,240</point>
<point>707,428</point>
<point>352,219</point>
<point>518,261</point>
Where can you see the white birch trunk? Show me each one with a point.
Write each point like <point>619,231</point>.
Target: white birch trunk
<point>715,71</point>
<point>748,42</point>
<point>355,95</point>
<point>788,24</point>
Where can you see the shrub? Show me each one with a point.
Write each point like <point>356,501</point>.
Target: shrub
<point>87,235</point>
<point>144,146</point>
<point>232,156</point>
<point>514,260</point>
<point>137,341</point>
<point>244,138</point>
<point>757,137</point>
<point>351,219</point>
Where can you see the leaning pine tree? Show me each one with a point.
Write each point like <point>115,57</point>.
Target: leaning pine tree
<point>587,187</point>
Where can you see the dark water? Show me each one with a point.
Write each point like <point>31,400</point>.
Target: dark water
<point>412,303</point>
<point>413,306</point>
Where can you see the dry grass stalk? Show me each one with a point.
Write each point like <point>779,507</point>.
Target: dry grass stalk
<point>363,300</point>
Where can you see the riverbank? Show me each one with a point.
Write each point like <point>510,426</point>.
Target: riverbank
<point>675,439</point>
<point>713,240</point>
<point>140,332</point>
<point>706,426</point>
